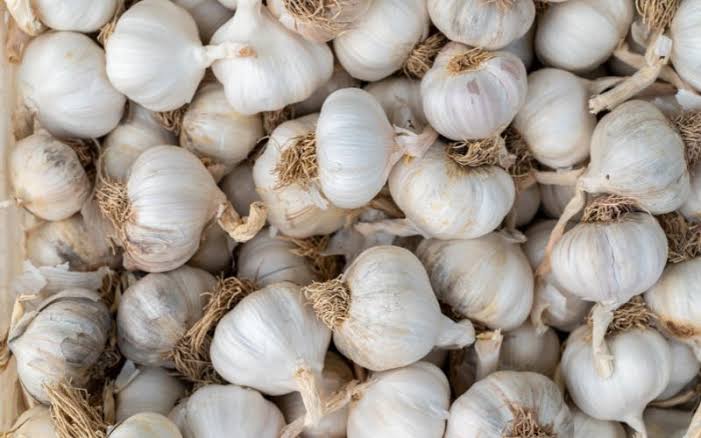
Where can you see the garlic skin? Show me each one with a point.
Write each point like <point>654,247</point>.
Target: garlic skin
<point>35,422</point>
<point>691,208</point>
<point>486,408</point>
<point>444,200</point>
<point>62,81</point>
<point>44,281</point>
<point>686,47</point>
<point>62,339</point>
<point>523,48</point>
<point>284,68</point>
<point>685,368</point>
<point>524,349</point>
<point>580,35</point>
<point>215,252</point>
<point>342,18</point>
<point>400,97</point>
<point>47,176</point>
<point>212,129</point>
<point>146,425</point>
<point>477,102</point>
<point>554,199</point>
<point>667,423</point>
<point>526,205</point>
<point>382,39</point>
<point>209,15</point>
<point>489,25</point>
<point>586,426</point>
<point>222,410</point>
<point>77,15</point>
<point>555,120</point>
<point>239,187</point>
<point>267,259</point>
<point>494,287</point>
<point>642,366</point>
<point>409,402</point>
<point>157,310</point>
<point>146,389</point>
<point>312,104</point>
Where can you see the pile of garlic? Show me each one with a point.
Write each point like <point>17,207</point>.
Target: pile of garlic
<point>352,218</point>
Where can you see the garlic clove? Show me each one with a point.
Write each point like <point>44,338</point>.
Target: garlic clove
<point>209,15</point>
<point>145,389</point>
<point>146,425</point>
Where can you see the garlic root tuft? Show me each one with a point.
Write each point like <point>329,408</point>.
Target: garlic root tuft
<point>471,60</point>
<point>634,314</point>
<point>113,201</point>
<point>423,54</point>
<point>171,120</point>
<point>72,414</point>
<point>298,163</point>
<point>323,14</point>
<point>684,238</point>
<point>657,14</point>
<point>273,119</point>
<point>326,267</point>
<point>242,229</point>
<point>330,301</point>
<point>525,425</point>
<point>608,208</point>
<point>524,165</point>
<point>689,126</point>
<point>487,152</point>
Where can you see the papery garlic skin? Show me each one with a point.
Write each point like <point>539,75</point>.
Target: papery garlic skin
<point>586,426</point>
<point>382,39</point>
<point>494,287</point>
<point>444,200</point>
<point>62,80</point>
<point>47,176</point>
<point>342,18</point>
<point>146,425</point>
<point>476,103</point>
<point>209,15</point>
<point>667,423</point>
<point>526,205</point>
<point>554,199</point>
<point>486,408</point>
<point>686,47</point>
<point>76,15</point>
<point>156,311</point>
<point>400,97</point>
<point>146,389</point>
<point>409,402</point>
<point>579,35</point>
<point>489,25</point>
<point>35,422</point>
<point>215,252</point>
<point>685,368</point>
<point>523,349</point>
<point>239,187</point>
<point>312,104</point>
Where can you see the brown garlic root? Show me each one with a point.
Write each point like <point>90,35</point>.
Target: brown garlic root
<point>657,14</point>
<point>683,237</point>
<point>320,13</point>
<point>298,164</point>
<point>524,165</point>
<point>172,120</point>
<point>487,152</point>
<point>608,208</point>
<point>242,229</point>
<point>113,201</point>
<point>423,55</point>
<point>330,301</point>
<point>72,414</point>
<point>525,424</point>
<point>688,123</point>
<point>471,60</point>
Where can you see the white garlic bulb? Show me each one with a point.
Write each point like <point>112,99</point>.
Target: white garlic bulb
<point>489,25</point>
<point>146,425</point>
<point>62,81</point>
<point>685,368</point>
<point>295,341</point>
<point>586,426</point>
<point>212,129</point>
<point>312,104</point>
<point>691,208</point>
<point>62,339</point>
<point>641,371</point>
<point>156,311</point>
<point>667,423</point>
<point>48,177</point>
<point>524,349</point>
<point>686,47</point>
<point>239,187</point>
<point>526,205</point>
<point>579,35</point>
<point>400,97</point>
<point>494,286</point>
<point>35,422</point>
<point>523,48</point>
<point>409,402</point>
<point>496,404</point>
<point>76,15</point>
<point>215,252</point>
<point>145,389</point>
<point>554,199</point>
<point>471,94</point>
<point>382,39</point>
<point>319,21</point>
<point>209,15</point>
<point>274,68</point>
<point>226,410</point>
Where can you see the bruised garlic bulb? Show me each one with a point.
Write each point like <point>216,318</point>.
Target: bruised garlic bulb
<point>510,403</point>
<point>494,286</point>
<point>686,47</point>
<point>76,15</point>
<point>685,368</point>
<point>526,205</point>
<point>62,339</point>
<point>62,82</point>
<point>156,311</point>
<point>579,35</point>
<point>489,25</point>
<point>145,389</point>
<point>146,425</point>
<point>400,97</point>
<point>409,402</point>
<point>266,259</point>
<point>667,423</point>
<point>48,178</point>
<point>312,104</point>
<point>209,15</point>
<point>471,94</point>
<point>586,426</point>
<point>554,199</point>
<point>382,39</point>
<point>383,311</point>
<point>274,67</point>
<point>524,349</point>
<point>239,187</point>
<point>319,21</point>
<point>215,252</point>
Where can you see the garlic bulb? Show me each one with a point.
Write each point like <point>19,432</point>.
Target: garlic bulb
<point>267,259</point>
<point>215,252</point>
<point>62,339</point>
<point>275,67</point>
<point>239,187</point>
<point>48,177</point>
<point>526,205</point>
<point>226,410</point>
<point>76,15</point>
<point>667,423</point>
<point>685,368</point>
<point>62,81</point>
<point>686,47</point>
<point>212,129</point>
<point>471,94</point>
<point>489,25</point>
<point>508,402</point>
<point>494,286</point>
<point>43,281</point>
<point>524,349</point>
<point>382,39</point>
<point>409,402</point>
<point>578,35</point>
<point>209,15</point>
<point>273,342</point>
<point>554,199</point>
<point>319,21</point>
<point>691,208</point>
<point>586,426</point>
<point>157,310</point>
<point>523,48</point>
<point>641,371</point>
<point>34,422</point>
<point>146,425</point>
<point>145,389</point>
<point>383,311</point>
<point>555,120</point>
<point>336,374</point>
<point>312,104</point>
<point>400,97</point>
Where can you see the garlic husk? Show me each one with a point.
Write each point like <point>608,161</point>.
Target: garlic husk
<point>686,48</point>
<point>555,120</point>
<point>156,311</point>
<point>473,100</point>
<point>641,371</point>
<point>47,177</point>
<point>209,15</point>
<point>445,200</point>
<point>400,97</point>
<point>580,35</point>
<point>145,425</point>
<point>215,252</point>
<point>685,368</point>
<point>586,426</point>
<point>222,410</point>
<point>239,187</point>
<point>284,68</point>
<point>212,129</point>
<point>409,402</point>
<point>494,405</point>
<point>325,21</point>
<point>62,81</point>
<point>526,205</point>
<point>489,25</point>
<point>62,339</point>
<point>379,42</point>
<point>80,16</point>
<point>335,375</point>
<point>34,422</point>
<point>145,389</point>
<point>667,423</point>
<point>523,48</point>
<point>268,259</point>
<point>554,199</point>
<point>524,349</point>
<point>494,287</point>
<point>312,104</point>
<point>44,281</point>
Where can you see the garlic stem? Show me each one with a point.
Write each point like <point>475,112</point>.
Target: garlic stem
<point>559,178</point>
<point>309,389</point>
<point>602,315</point>
<point>397,227</point>
<point>242,229</point>
<point>637,61</point>
<point>679,399</point>
<point>228,50</point>
<point>487,348</point>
